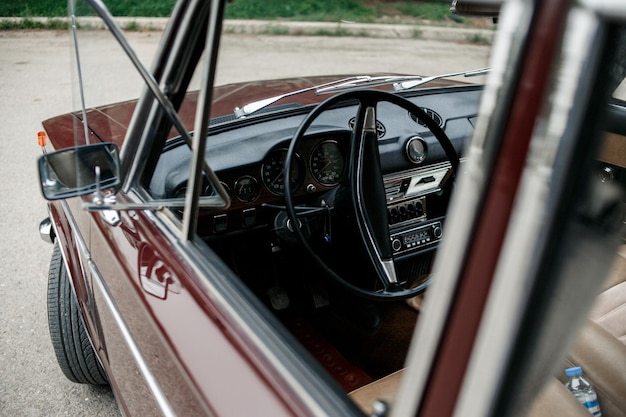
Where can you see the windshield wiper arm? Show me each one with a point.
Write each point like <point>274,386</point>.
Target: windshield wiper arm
<point>400,83</point>
<point>408,84</point>
<point>260,104</point>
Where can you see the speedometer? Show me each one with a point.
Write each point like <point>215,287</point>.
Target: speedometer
<point>272,172</point>
<point>327,163</point>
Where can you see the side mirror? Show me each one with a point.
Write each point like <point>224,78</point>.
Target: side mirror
<point>78,171</point>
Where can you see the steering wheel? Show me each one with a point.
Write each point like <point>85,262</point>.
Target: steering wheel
<point>364,188</point>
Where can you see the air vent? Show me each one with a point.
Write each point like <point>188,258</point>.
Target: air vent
<point>380,128</point>
<point>434,115</point>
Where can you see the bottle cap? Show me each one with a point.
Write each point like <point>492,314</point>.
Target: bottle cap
<point>577,370</point>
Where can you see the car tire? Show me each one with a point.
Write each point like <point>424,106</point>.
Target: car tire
<point>74,352</point>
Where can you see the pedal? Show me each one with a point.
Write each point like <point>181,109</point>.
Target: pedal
<point>278,298</point>
<point>319,295</point>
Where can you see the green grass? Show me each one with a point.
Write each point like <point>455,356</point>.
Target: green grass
<point>308,10</point>
<point>58,8</point>
<point>311,10</point>
<point>425,10</point>
<point>50,24</point>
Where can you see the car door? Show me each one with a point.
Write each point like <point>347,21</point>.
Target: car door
<point>179,335</point>
<point>533,229</point>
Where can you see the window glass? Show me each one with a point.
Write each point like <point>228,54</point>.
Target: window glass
<point>620,91</point>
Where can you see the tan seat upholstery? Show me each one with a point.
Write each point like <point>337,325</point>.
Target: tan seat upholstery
<point>610,311</point>
<point>555,400</point>
<point>383,389</point>
<point>600,350</point>
<point>603,359</point>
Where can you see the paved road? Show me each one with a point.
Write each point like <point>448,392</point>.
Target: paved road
<point>35,83</point>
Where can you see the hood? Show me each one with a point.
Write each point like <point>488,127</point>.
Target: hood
<point>110,123</point>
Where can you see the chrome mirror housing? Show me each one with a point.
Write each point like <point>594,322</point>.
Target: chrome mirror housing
<point>79,170</point>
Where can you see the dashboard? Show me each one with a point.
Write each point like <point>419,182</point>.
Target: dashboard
<point>248,157</point>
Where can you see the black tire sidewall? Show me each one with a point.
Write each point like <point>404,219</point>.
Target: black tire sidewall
<point>72,347</point>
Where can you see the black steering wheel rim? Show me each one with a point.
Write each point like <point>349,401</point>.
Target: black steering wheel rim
<point>364,98</point>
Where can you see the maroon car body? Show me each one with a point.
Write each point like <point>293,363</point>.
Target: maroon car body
<point>195,292</point>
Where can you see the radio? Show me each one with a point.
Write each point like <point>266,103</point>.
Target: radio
<point>416,238</point>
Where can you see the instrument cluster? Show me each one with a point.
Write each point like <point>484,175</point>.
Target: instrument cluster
<point>319,162</point>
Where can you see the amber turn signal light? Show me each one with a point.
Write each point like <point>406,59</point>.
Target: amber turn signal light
<point>42,138</point>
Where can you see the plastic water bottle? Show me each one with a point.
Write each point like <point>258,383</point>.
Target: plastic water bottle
<point>583,390</point>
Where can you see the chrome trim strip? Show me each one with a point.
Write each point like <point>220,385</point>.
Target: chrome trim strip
<point>163,403</point>
<point>80,242</point>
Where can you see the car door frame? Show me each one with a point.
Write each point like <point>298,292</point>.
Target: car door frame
<point>512,289</point>
<point>269,358</point>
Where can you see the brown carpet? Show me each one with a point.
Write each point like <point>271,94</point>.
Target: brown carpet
<point>383,351</point>
<point>347,375</point>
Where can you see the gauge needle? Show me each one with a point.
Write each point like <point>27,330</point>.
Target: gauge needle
<point>329,161</point>
<point>277,178</point>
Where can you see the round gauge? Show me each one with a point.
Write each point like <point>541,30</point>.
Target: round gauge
<point>207,189</point>
<point>272,172</point>
<point>327,163</point>
<point>246,188</point>
<point>416,149</point>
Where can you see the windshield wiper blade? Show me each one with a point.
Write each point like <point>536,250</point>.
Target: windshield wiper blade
<point>342,84</point>
<point>366,80</point>
<point>255,106</point>
<point>400,83</point>
<point>409,84</point>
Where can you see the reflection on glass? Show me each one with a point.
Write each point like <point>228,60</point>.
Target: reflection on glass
<point>79,170</point>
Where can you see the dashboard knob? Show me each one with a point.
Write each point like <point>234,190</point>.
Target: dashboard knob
<point>396,244</point>
<point>606,174</point>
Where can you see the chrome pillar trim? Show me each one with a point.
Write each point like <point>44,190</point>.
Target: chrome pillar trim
<point>464,204</point>
<point>505,308</point>
<point>203,110</point>
<point>612,9</point>
<point>46,232</point>
<point>100,8</point>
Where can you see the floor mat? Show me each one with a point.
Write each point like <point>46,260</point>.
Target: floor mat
<point>347,375</point>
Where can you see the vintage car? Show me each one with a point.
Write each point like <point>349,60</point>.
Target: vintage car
<point>347,244</point>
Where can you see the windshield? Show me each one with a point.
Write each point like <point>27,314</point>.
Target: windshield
<point>283,47</point>
<point>276,49</point>
<point>264,64</point>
